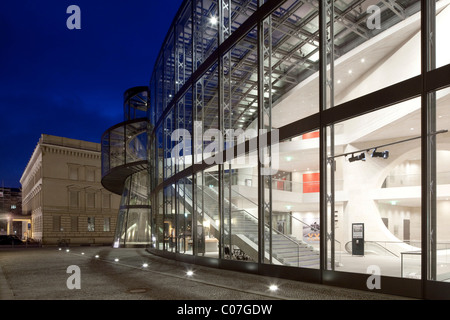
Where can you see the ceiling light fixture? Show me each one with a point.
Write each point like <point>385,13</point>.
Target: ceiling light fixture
<point>213,20</point>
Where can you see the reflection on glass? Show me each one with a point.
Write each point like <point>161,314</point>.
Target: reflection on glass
<point>375,46</point>
<point>294,220</point>
<point>440,229</point>
<point>132,227</point>
<point>207,211</point>
<point>378,158</point>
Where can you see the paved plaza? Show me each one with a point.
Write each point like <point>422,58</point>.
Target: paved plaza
<point>105,273</point>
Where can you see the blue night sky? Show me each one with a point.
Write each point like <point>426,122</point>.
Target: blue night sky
<point>70,83</point>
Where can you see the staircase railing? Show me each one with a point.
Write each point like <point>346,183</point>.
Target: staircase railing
<point>267,227</point>
<point>254,203</point>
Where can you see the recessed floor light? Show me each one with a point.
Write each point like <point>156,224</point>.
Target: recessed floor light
<point>190,273</point>
<point>273,288</point>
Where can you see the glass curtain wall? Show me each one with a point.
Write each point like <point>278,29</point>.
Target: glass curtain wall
<point>133,225</point>
<point>438,104</point>
<point>359,162</point>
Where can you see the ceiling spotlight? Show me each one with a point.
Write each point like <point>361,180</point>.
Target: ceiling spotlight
<point>213,20</point>
<point>361,157</point>
<point>384,154</point>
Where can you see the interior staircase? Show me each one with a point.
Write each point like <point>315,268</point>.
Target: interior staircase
<point>242,232</point>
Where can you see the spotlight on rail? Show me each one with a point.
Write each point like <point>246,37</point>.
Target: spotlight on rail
<point>361,157</point>
<point>384,154</point>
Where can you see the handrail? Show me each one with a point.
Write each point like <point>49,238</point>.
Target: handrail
<point>265,225</point>
<point>251,201</point>
<point>268,227</point>
<point>372,242</point>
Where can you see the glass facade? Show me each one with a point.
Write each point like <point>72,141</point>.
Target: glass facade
<point>307,139</point>
<point>125,169</point>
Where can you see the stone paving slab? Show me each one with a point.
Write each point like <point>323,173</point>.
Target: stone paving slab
<point>41,274</point>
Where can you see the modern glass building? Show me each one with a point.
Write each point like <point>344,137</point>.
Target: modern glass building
<point>298,139</point>
<point>125,169</point>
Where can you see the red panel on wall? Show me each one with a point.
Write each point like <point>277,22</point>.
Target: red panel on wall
<point>311,135</point>
<point>311,182</point>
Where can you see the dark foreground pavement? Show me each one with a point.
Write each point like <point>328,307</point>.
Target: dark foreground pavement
<point>41,274</point>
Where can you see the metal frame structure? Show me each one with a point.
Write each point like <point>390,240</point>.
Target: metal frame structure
<point>125,160</point>
<point>211,63</point>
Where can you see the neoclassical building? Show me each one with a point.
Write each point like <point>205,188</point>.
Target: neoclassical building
<point>62,192</point>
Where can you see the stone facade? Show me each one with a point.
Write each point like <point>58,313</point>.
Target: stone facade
<point>61,189</point>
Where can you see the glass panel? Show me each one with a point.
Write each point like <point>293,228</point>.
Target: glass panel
<point>240,207</point>
<point>136,228</point>
<point>291,62</point>
<point>169,128</point>
<point>442,27</point>
<point>240,87</point>
<point>136,141</point>
<point>170,231</point>
<point>182,136</point>
<point>376,44</point>
<point>374,214</point>
<point>169,71</point>
<point>158,92</point>
<point>184,222</point>
<point>117,147</point>
<point>158,223</point>
<point>206,34</point>
<point>240,123</point>
<point>139,185</point>
<point>207,211</point>
<point>295,218</point>
<point>159,156</point>
<point>183,47</point>
<point>206,123</point>
<point>440,172</point>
